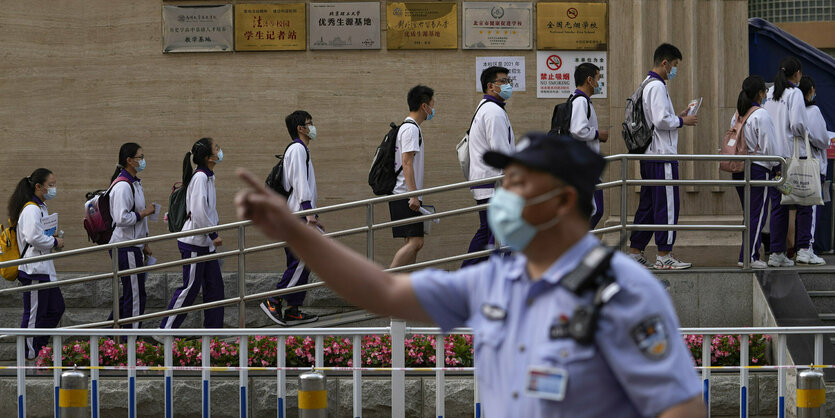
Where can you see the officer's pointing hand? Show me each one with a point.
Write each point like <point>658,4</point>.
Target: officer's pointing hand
<point>265,208</point>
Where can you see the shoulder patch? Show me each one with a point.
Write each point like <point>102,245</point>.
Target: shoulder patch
<point>651,337</point>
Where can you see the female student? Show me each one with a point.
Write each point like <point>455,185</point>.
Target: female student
<point>42,308</point>
<point>127,208</point>
<point>202,212</point>
<point>819,139</point>
<point>759,135</point>
<point>784,103</point>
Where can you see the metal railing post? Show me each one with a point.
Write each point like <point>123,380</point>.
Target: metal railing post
<point>21,376</point>
<point>743,376</point>
<point>781,375</point>
<point>818,349</point>
<point>624,198</point>
<point>319,353</point>
<point>131,376</point>
<point>168,342</point>
<point>357,375</point>
<point>94,376</point>
<point>243,356</point>
<point>241,277</point>
<point>706,371</point>
<point>440,384</point>
<point>398,360</point>
<point>57,354</point>
<point>746,216</point>
<point>207,376</point>
<point>281,374</point>
<point>115,293</point>
<point>369,238</point>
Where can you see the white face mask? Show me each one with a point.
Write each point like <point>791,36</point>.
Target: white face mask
<point>312,133</point>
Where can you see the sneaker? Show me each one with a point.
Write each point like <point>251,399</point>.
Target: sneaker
<point>808,256</point>
<point>755,264</point>
<point>293,316</point>
<point>273,311</point>
<point>779,260</point>
<point>670,262</point>
<point>639,258</point>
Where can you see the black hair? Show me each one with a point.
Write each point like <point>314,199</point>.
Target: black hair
<point>751,88</point>
<point>806,85</point>
<point>419,95</point>
<point>788,66</point>
<point>128,150</point>
<point>294,120</point>
<point>23,193</point>
<point>200,152</point>
<point>489,76</point>
<point>584,71</point>
<point>665,52</point>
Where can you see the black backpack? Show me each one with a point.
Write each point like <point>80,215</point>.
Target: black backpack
<point>177,215</point>
<point>637,133</point>
<point>561,119</point>
<point>275,180</point>
<point>382,176</point>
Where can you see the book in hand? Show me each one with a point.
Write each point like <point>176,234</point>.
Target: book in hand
<point>693,106</point>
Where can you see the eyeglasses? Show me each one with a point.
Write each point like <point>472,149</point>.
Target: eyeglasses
<point>139,157</point>
<point>503,80</point>
<point>308,123</point>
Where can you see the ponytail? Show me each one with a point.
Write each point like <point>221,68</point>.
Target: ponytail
<point>788,67</point>
<point>128,150</point>
<point>23,193</point>
<point>200,152</point>
<point>751,88</point>
<point>187,170</point>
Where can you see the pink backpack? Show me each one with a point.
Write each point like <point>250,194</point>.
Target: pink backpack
<point>734,144</point>
<point>97,218</point>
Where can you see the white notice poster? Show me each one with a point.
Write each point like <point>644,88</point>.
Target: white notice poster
<point>516,66</point>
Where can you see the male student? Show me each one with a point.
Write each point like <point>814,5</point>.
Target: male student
<point>300,179</point>
<point>660,204</point>
<point>408,161</point>
<point>490,131</point>
<point>584,126</point>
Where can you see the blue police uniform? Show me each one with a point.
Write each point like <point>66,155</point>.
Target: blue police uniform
<point>637,366</point>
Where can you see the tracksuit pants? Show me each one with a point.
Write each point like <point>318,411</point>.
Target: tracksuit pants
<point>597,208</point>
<point>658,205</point>
<point>132,301</point>
<point>296,274</point>
<point>806,225</point>
<point>205,275</point>
<point>759,208</point>
<point>806,220</point>
<point>483,238</point>
<point>42,308</point>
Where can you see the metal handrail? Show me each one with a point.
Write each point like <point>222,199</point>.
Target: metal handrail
<point>370,227</point>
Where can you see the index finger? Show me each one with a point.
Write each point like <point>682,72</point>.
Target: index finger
<point>251,180</point>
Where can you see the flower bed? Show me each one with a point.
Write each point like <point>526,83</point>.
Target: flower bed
<point>725,349</point>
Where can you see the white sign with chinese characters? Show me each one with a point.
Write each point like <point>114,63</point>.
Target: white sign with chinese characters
<point>344,25</point>
<point>516,66</point>
<point>197,28</point>
<point>555,72</point>
<point>490,25</point>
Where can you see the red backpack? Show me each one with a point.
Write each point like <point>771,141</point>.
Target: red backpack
<point>734,144</point>
<point>97,218</point>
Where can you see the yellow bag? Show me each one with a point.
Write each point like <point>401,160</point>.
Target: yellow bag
<point>9,250</point>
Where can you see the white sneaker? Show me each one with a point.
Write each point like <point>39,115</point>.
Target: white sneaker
<point>755,264</point>
<point>808,256</point>
<point>639,258</point>
<point>779,260</point>
<point>670,262</point>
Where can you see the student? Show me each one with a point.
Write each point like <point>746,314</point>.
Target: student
<point>490,131</point>
<point>760,137</point>
<point>300,179</point>
<point>660,204</point>
<point>201,205</point>
<point>784,103</point>
<point>635,364</point>
<point>584,126</point>
<point>127,208</point>
<point>41,308</point>
<point>819,139</point>
<point>408,161</point>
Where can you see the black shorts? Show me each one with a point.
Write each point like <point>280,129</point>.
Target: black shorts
<point>399,209</point>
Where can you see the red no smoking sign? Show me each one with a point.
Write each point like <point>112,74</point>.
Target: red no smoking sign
<point>554,62</point>
<point>572,13</point>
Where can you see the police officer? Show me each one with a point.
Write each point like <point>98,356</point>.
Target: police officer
<point>529,364</point>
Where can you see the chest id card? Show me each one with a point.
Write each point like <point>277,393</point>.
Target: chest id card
<point>546,383</point>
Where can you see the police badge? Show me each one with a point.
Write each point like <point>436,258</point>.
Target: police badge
<point>651,337</point>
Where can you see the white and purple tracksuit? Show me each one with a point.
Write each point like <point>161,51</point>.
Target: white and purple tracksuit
<point>819,139</point>
<point>127,200</point>
<point>584,128</point>
<point>41,308</point>
<point>789,117</point>
<point>201,205</point>
<point>659,204</point>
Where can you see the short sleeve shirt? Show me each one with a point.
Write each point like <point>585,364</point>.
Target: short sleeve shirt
<point>408,140</point>
<point>638,364</point>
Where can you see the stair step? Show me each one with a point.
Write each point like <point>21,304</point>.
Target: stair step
<point>821,293</point>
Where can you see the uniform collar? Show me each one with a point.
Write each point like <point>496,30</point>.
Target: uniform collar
<point>299,141</point>
<point>582,93</point>
<point>494,100</point>
<point>38,201</point>
<point>128,176</point>
<point>206,170</point>
<point>653,74</point>
<point>564,265</point>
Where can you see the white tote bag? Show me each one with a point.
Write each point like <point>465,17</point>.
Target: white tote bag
<point>804,178</point>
